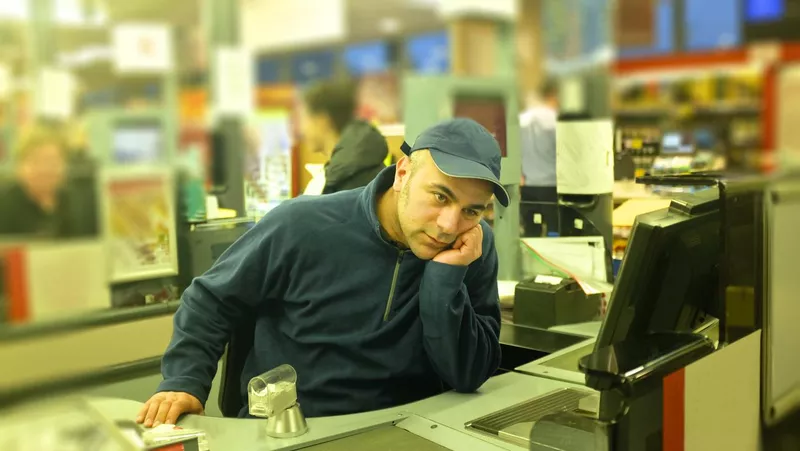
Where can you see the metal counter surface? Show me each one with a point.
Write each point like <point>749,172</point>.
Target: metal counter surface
<point>439,419</point>
<point>590,329</point>
<point>562,365</point>
<point>550,340</point>
<point>545,341</point>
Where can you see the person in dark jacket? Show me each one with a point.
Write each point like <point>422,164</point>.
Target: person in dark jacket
<point>377,296</point>
<point>37,203</point>
<point>329,124</point>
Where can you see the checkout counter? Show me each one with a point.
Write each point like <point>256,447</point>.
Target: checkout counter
<point>433,424</point>
<point>610,389</point>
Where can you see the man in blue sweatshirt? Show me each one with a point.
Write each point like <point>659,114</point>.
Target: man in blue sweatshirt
<point>377,296</point>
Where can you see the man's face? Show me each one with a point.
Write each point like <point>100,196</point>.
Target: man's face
<point>313,127</point>
<point>43,169</point>
<point>434,209</point>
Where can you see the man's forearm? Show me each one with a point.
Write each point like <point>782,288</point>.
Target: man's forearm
<point>463,344</point>
<point>220,299</point>
<point>199,336</point>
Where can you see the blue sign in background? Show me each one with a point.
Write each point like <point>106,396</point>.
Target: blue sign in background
<point>578,28</point>
<point>313,66</point>
<point>429,53</point>
<point>367,58</point>
<point>268,71</point>
<point>764,10</point>
<point>712,24</point>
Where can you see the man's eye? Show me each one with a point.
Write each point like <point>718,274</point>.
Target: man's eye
<point>440,198</point>
<point>471,213</point>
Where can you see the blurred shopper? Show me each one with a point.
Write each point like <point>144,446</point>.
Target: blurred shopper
<point>329,124</point>
<point>538,144</point>
<point>35,202</point>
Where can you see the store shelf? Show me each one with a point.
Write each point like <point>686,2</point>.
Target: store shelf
<point>710,110</point>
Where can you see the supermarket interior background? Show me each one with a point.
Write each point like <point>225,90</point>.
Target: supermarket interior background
<point>139,139</point>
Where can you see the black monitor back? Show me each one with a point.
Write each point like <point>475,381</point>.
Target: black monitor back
<point>669,279</point>
<point>742,270</point>
<point>200,247</point>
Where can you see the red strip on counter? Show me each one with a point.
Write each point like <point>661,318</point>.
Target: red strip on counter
<point>674,410</point>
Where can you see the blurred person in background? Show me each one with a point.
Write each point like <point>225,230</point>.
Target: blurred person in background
<point>35,202</point>
<point>538,145</point>
<point>329,124</point>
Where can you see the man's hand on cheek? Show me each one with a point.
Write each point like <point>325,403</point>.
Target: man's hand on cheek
<point>467,248</point>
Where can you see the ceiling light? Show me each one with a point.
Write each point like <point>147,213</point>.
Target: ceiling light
<point>14,9</point>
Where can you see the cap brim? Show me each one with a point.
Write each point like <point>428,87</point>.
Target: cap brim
<point>458,167</point>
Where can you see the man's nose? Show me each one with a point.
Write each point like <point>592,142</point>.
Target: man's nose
<point>448,221</point>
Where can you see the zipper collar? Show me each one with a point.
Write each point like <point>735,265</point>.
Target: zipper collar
<point>369,203</point>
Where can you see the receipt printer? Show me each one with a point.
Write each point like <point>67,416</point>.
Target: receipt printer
<point>547,301</point>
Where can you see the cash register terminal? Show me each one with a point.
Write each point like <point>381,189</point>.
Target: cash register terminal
<point>667,285</point>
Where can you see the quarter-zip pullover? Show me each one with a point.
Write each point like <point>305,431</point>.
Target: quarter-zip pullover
<point>365,324</point>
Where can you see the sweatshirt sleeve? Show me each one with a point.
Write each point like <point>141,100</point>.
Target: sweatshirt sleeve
<point>461,319</point>
<point>242,278</point>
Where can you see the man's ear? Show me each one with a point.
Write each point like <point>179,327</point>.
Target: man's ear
<point>402,172</point>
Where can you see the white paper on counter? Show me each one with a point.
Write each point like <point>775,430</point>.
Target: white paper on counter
<point>585,157</point>
<point>550,280</point>
<point>581,258</point>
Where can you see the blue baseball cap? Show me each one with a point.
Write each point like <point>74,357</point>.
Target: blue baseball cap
<point>463,148</point>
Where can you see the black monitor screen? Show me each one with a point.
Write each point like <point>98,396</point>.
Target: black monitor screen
<point>669,279</point>
<point>488,111</point>
<point>137,144</point>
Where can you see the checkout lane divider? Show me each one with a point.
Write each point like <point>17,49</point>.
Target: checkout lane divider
<point>98,318</point>
<point>75,354</point>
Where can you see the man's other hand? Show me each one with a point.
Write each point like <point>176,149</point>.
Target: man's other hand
<point>166,407</point>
